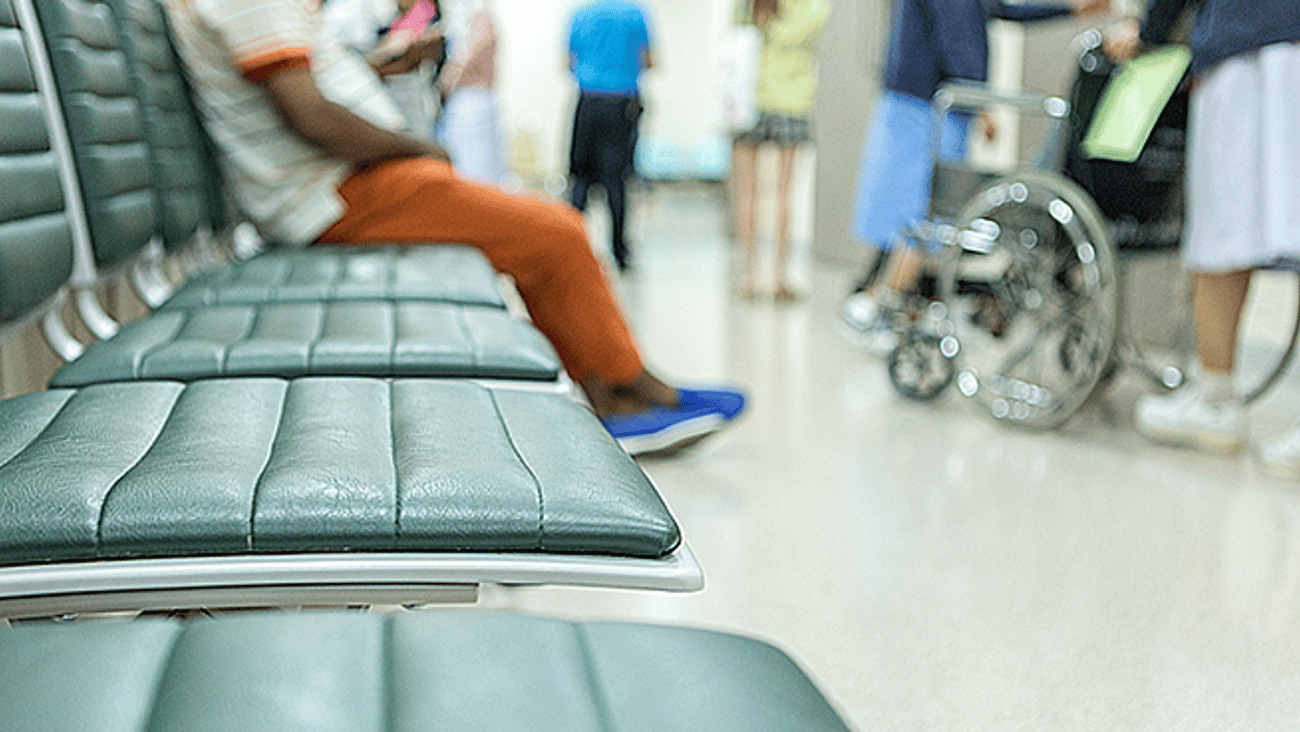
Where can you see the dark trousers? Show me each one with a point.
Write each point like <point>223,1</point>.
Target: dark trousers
<point>604,138</point>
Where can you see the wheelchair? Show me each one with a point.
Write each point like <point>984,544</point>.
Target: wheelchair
<point>1025,307</point>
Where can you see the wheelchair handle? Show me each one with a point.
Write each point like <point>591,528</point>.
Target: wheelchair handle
<point>972,95</point>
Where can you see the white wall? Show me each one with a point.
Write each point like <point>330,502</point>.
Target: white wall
<point>537,92</point>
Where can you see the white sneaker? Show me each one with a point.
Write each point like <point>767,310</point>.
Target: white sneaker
<point>1186,418</point>
<point>1280,457</point>
<point>872,323</point>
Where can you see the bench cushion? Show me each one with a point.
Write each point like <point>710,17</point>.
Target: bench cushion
<point>444,670</point>
<point>229,467</point>
<point>35,238</point>
<point>354,338</point>
<point>446,273</point>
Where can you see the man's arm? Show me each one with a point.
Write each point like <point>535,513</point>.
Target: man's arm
<point>335,129</point>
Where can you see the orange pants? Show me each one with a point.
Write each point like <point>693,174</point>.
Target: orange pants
<point>542,245</point>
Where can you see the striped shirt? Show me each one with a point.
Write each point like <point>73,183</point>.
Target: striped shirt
<point>286,185</point>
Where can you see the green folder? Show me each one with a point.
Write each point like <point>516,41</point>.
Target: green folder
<point>1132,103</point>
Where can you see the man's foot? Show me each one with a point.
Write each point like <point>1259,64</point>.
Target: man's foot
<point>871,322</point>
<point>1280,457</point>
<point>660,430</point>
<point>1188,419</point>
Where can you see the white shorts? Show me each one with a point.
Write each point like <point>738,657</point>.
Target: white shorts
<point>1243,163</point>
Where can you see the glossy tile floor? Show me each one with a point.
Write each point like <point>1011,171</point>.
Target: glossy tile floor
<point>933,570</point>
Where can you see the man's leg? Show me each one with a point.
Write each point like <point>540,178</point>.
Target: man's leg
<point>581,151</point>
<point>541,244</point>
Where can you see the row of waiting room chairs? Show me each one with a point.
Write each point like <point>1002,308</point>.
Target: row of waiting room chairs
<point>335,427</point>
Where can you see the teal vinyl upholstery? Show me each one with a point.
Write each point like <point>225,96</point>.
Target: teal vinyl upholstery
<point>221,467</point>
<point>105,125</point>
<point>354,338</point>
<point>446,273</point>
<point>35,239</point>
<point>434,670</point>
<point>176,150</point>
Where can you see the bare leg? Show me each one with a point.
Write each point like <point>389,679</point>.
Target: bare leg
<point>786,169</point>
<point>903,270</point>
<point>644,392</point>
<point>744,176</point>
<point>1218,300</point>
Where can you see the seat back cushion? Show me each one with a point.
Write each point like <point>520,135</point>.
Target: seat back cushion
<point>35,239</point>
<point>105,124</point>
<point>178,157</point>
<point>163,469</point>
<point>434,670</point>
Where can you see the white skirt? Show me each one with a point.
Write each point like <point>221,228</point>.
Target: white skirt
<point>1243,163</point>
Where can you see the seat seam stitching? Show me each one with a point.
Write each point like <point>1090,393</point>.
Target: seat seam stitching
<point>537,483</point>
<point>392,454</point>
<point>53,418</point>
<point>598,696</point>
<point>103,504</point>
<point>261,473</point>
<point>137,368</point>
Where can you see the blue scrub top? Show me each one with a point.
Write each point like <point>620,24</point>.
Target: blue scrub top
<point>607,39</point>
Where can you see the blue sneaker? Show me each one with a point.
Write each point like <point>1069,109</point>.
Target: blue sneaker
<point>698,414</point>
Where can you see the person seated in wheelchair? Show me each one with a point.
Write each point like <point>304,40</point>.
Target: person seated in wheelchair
<point>932,41</point>
<point>1242,199</point>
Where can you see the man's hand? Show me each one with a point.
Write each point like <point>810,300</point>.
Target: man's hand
<point>335,129</point>
<point>437,151</point>
<point>400,55</point>
<point>1123,41</point>
<point>988,126</point>
<point>1083,8</point>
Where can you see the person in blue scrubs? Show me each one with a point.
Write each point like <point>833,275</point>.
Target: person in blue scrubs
<point>609,47</point>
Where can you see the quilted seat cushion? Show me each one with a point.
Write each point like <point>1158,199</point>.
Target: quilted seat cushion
<point>227,467</point>
<point>442,272</point>
<point>355,338</point>
<point>356,672</point>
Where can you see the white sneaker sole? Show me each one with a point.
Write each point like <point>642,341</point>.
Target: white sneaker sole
<point>1215,442</point>
<point>678,435</point>
<point>1281,471</point>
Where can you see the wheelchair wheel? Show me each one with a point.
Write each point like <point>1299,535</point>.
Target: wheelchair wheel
<point>1033,298</point>
<point>918,368</point>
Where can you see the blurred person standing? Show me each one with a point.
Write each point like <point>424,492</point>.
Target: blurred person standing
<point>364,27</point>
<point>1242,198</point>
<point>609,47</point>
<point>469,126</point>
<point>787,84</point>
<point>932,42</point>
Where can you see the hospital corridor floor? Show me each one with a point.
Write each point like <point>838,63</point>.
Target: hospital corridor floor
<point>934,570</point>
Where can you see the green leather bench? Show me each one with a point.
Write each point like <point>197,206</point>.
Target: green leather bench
<point>435,670</point>
<point>270,491</point>
<point>367,311</point>
<point>227,491</point>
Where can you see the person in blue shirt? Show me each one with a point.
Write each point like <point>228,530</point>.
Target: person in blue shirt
<point>609,47</point>
<point>932,41</point>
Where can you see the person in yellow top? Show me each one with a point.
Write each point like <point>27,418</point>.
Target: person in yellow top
<point>787,83</point>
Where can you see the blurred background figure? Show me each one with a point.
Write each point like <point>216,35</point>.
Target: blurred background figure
<point>787,84</point>
<point>609,47</point>
<point>469,125</point>
<point>1243,199</point>
<point>406,57</point>
<point>932,41</point>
